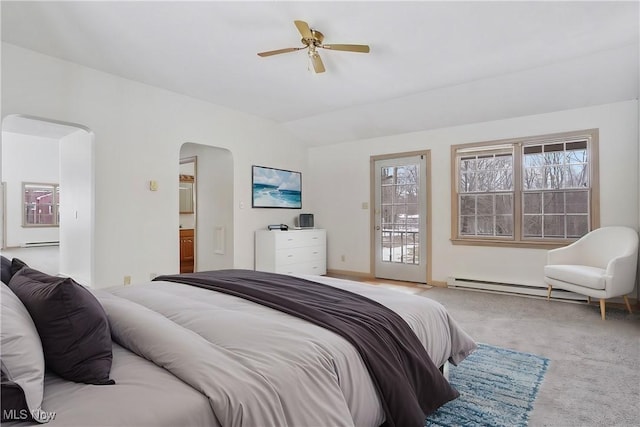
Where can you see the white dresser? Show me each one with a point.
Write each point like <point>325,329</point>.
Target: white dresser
<point>292,252</point>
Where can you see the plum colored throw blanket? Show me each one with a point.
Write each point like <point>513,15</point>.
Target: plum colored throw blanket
<point>409,384</point>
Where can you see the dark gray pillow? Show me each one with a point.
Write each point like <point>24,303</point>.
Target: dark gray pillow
<point>16,265</point>
<point>72,325</point>
<point>6,270</point>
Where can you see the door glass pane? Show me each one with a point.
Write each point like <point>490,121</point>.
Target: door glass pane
<point>387,215</point>
<point>400,187</point>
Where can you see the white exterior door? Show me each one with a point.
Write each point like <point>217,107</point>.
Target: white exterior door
<point>401,218</point>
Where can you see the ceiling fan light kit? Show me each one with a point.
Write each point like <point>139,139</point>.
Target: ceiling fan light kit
<point>312,40</point>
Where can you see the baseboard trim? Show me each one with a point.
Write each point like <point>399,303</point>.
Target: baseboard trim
<point>438,284</point>
<point>358,275</point>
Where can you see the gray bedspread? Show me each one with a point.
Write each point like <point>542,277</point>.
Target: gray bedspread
<point>203,358</point>
<point>409,384</point>
<point>145,395</point>
<point>262,367</point>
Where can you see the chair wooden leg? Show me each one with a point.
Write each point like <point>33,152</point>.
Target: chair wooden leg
<point>602,308</point>
<point>549,292</point>
<point>626,301</point>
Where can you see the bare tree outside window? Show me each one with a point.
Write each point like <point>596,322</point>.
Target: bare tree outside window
<point>556,190</point>
<point>551,202</point>
<point>400,214</point>
<point>486,195</point>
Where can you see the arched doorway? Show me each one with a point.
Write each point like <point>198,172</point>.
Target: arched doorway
<point>212,219</point>
<point>59,154</point>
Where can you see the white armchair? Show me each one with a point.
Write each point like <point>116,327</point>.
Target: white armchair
<point>602,264</point>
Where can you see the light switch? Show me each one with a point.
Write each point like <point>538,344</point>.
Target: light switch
<point>365,205</point>
<point>153,185</point>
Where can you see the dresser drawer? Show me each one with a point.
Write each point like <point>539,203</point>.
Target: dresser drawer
<point>295,255</point>
<point>311,267</point>
<point>287,239</point>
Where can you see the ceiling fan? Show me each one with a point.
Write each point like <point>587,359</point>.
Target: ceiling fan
<point>312,39</point>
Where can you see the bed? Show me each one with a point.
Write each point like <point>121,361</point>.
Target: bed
<point>186,355</point>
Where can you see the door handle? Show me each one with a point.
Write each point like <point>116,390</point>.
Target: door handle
<point>377,228</point>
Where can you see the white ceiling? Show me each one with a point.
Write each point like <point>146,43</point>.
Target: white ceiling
<point>432,64</point>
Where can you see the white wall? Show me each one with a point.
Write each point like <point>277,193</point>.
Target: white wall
<point>27,158</point>
<point>340,177</point>
<point>214,204</point>
<point>139,130</point>
<point>76,206</point>
<point>138,133</point>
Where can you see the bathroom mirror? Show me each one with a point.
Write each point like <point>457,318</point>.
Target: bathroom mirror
<point>186,194</point>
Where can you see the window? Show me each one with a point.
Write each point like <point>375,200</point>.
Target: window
<point>486,193</point>
<point>41,205</point>
<point>526,192</point>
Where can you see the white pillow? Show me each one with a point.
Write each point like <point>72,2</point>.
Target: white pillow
<point>21,350</point>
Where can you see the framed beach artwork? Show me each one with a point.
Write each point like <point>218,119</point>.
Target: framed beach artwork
<point>276,188</point>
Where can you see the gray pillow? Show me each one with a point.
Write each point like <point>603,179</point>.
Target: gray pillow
<point>72,325</point>
<point>21,352</point>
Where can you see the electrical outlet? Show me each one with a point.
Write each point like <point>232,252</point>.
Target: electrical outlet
<point>127,280</point>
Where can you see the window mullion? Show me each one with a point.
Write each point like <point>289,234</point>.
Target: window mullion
<point>518,220</point>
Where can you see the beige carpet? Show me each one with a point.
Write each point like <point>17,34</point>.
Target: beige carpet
<point>594,373</point>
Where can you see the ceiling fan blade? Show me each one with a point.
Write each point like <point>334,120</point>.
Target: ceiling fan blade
<point>318,66</point>
<point>276,52</point>
<point>304,29</point>
<point>362,48</point>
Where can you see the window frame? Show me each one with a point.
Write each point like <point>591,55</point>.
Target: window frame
<point>55,205</point>
<point>518,144</point>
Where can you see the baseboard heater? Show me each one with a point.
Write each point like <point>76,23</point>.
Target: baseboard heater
<point>38,244</point>
<point>512,288</point>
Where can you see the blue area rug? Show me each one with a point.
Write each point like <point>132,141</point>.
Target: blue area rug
<point>497,388</point>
